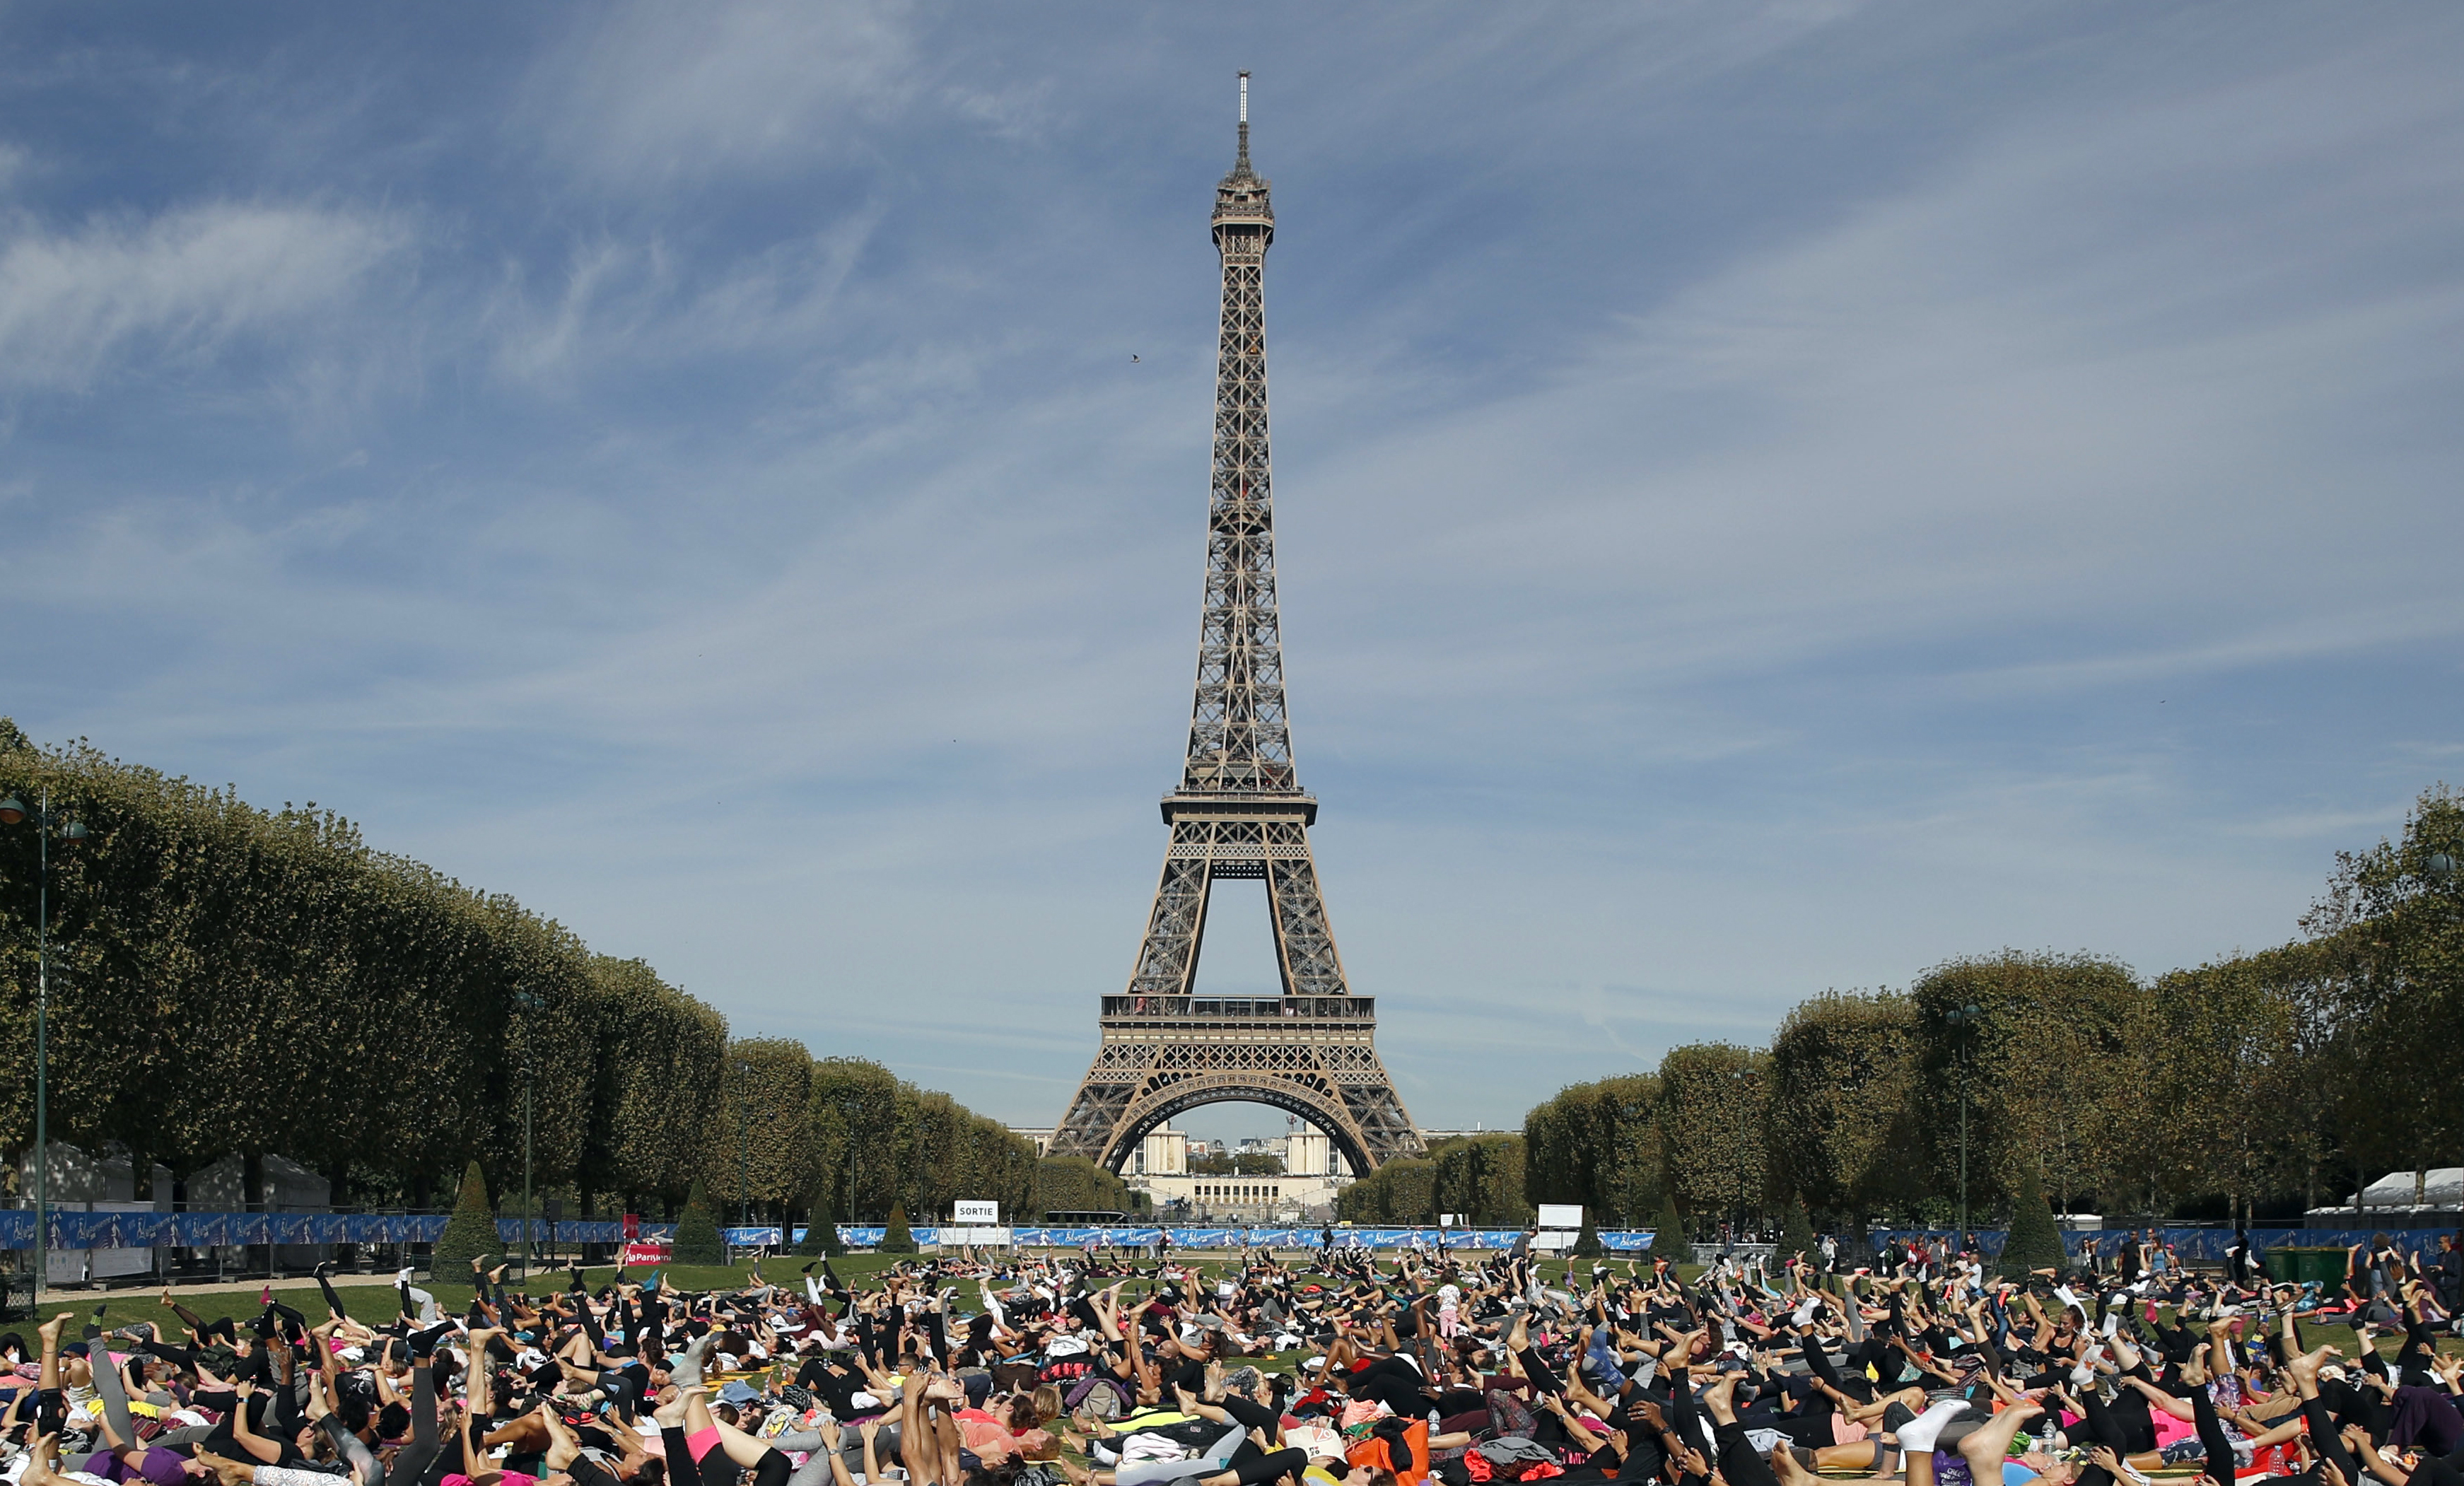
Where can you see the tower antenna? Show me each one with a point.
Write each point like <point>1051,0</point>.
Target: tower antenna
<point>1244,118</point>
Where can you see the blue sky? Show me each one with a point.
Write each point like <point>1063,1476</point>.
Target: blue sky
<point>1771,497</point>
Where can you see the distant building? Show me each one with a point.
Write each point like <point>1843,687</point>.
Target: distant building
<point>1164,1152</point>
<point>1302,1193</point>
<point>1307,1153</point>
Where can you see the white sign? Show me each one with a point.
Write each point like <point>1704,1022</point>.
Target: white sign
<point>1561,1216</point>
<point>975,1215</point>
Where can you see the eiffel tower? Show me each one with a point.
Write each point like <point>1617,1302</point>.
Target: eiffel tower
<point>1239,814</point>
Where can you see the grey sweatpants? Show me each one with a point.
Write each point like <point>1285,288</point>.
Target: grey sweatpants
<point>1215,1457</point>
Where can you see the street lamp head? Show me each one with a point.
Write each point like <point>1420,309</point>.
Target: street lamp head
<point>13,811</point>
<point>2441,865</point>
<point>74,831</point>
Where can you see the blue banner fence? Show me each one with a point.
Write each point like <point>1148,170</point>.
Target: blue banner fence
<point>71,1229</point>
<point>1135,1235</point>
<point>2199,1245</point>
<point>77,1230</point>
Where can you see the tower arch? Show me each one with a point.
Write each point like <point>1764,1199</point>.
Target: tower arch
<point>1164,1104</point>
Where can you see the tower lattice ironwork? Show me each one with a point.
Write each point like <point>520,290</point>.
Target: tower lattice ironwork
<point>1239,814</point>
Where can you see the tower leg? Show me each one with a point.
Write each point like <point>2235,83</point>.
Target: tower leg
<point>1167,955</point>
<point>1304,941</point>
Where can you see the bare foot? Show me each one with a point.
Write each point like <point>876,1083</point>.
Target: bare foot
<point>1987,1443</point>
<point>2305,1371</point>
<point>1716,1399</point>
<point>230,1473</point>
<point>1784,1465</point>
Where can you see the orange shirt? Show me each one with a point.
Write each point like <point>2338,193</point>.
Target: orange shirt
<point>1373,1452</point>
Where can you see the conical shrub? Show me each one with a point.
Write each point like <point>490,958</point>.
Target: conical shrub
<point>469,1233</point>
<point>696,1241</point>
<point>2034,1242</point>
<point>1796,1235</point>
<point>1668,1237</point>
<point>896,1238</point>
<point>821,1228</point>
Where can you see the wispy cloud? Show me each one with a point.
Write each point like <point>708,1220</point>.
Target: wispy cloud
<point>653,96</point>
<point>177,287</point>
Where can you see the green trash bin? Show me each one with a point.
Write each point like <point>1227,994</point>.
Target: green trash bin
<point>2296,1265</point>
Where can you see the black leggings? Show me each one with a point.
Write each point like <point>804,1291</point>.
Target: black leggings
<point>716,1468</point>
<point>2211,1434</point>
<point>1262,1466</point>
<point>1255,1416</point>
<point>1740,1463</point>
<point>1395,1383</point>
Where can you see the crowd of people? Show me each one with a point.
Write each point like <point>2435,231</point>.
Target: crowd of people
<point>1345,1369</point>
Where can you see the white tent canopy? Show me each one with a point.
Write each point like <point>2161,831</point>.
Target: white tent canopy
<point>2444,1189</point>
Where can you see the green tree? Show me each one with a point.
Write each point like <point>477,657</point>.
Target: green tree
<point>2034,1242</point>
<point>1597,1144</point>
<point>469,1233</point>
<point>2392,924</point>
<point>821,1226</point>
<point>280,986</point>
<point>897,1238</point>
<point>760,1145</point>
<point>1402,1191</point>
<point>2229,1069</point>
<point>1074,1184</point>
<point>1711,1097</point>
<point>1481,1176</point>
<point>697,1241</point>
<point>1668,1235</point>
<point>2056,1070</point>
<point>1842,1111</point>
<point>660,1052</point>
<point>1796,1235</point>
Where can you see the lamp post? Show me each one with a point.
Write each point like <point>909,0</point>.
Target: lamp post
<point>528,1002</point>
<point>1962,1025</point>
<point>743,1148</point>
<point>1737,1214</point>
<point>47,823</point>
